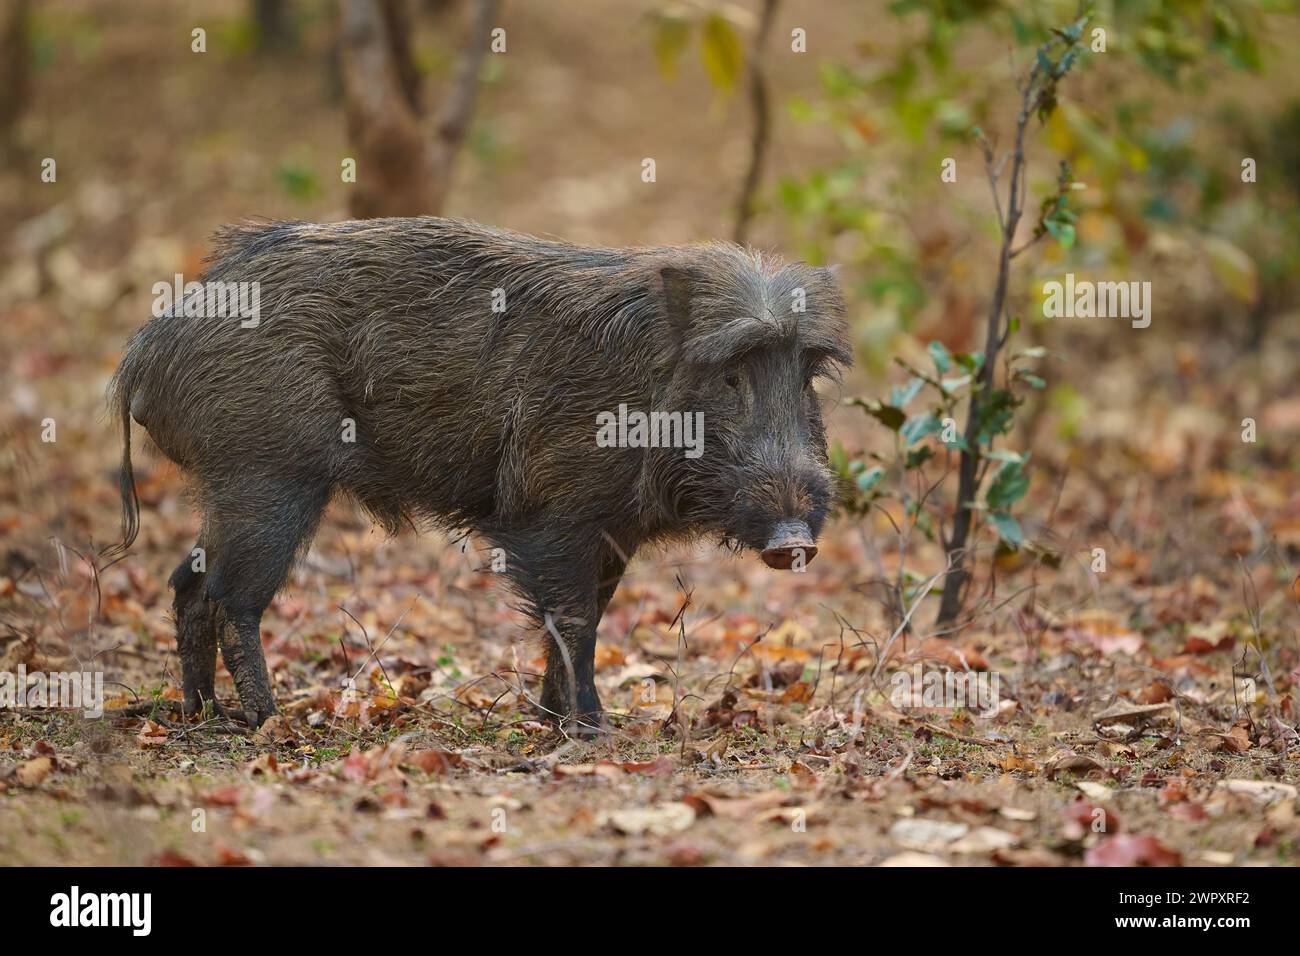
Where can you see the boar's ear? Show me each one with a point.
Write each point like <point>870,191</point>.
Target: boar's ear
<point>830,275</point>
<point>678,283</point>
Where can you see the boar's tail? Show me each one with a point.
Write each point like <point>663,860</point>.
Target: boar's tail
<point>121,403</point>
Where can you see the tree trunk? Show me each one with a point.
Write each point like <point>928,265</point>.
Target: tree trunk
<point>401,170</point>
<point>15,70</point>
<point>273,32</point>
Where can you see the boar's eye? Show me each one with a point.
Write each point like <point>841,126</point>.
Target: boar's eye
<point>819,366</point>
<point>732,379</point>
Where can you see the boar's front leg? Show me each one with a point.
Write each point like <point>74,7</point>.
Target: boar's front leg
<point>568,578</point>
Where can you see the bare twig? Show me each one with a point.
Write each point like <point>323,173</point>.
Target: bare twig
<point>762,121</point>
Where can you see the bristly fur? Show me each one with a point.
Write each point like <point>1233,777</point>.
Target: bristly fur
<point>470,418</point>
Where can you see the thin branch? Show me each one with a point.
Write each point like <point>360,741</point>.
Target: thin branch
<point>762,121</point>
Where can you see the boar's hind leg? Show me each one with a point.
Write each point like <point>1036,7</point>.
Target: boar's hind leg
<point>196,635</point>
<point>256,533</point>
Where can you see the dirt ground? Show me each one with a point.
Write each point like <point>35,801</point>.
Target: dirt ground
<point>1146,711</point>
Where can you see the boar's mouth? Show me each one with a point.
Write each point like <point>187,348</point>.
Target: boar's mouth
<point>791,541</point>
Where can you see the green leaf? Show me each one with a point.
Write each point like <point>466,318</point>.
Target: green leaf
<point>297,181</point>
<point>1234,269</point>
<point>958,442</point>
<point>839,458</point>
<point>918,456</point>
<point>1008,528</point>
<point>1062,232</point>
<point>902,394</point>
<point>1003,454</point>
<point>869,479</point>
<point>671,34</point>
<point>889,416</point>
<point>919,426</point>
<point>1008,487</point>
<point>721,51</point>
<point>941,356</point>
<point>997,414</point>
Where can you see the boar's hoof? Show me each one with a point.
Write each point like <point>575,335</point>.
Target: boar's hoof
<point>790,542</point>
<point>254,715</point>
<point>588,722</point>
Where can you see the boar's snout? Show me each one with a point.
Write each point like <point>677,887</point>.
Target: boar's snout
<point>790,540</point>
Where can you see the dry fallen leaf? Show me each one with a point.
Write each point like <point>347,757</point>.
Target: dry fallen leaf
<point>661,820</point>
<point>432,762</point>
<point>1096,791</point>
<point>737,808</point>
<point>911,858</point>
<point>1082,817</point>
<point>1075,763</point>
<point>34,771</point>
<point>1124,712</point>
<point>264,764</point>
<point>926,835</point>
<point>275,730</point>
<point>1265,791</point>
<point>984,840</point>
<point>1103,630</point>
<point>1013,762</point>
<point>151,735</point>
<point>1127,849</point>
<point>1018,813</point>
<point>797,693</point>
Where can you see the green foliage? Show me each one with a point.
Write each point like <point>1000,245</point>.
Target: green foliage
<point>297,180</point>
<point>921,101</point>
<point>721,52</point>
<point>929,435</point>
<point>1055,216</point>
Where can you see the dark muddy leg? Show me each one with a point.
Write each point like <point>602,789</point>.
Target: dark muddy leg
<point>612,565</point>
<point>250,555</point>
<point>569,688</point>
<point>241,649</point>
<point>196,637</point>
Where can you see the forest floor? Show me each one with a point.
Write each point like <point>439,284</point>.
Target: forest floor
<point>751,717</point>
<point>1145,710</point>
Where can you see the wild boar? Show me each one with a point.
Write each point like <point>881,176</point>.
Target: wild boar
<point>448,374</point>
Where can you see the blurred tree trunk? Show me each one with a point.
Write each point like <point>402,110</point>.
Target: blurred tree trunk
<point>272,25</point>
<point>397,27</point>
<point>401,170</point>
<point>15,69</point>
<point>762,122</point>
